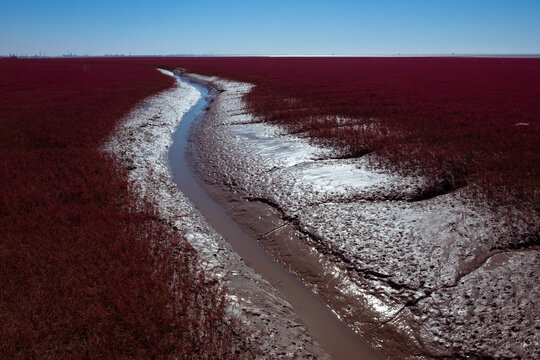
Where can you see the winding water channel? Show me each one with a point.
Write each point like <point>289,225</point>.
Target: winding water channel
<point>334,336</point>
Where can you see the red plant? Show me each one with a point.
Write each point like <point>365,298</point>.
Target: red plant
<point>80,275</point>
<point>457,120</point>
<point>82,272</point>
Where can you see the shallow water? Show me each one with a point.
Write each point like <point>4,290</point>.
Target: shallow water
<point>334,336</point>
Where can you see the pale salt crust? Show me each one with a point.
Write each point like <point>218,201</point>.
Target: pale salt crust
<point>429,262</point>
<point>141,145</point>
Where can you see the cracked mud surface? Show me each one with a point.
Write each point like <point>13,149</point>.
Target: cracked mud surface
<point>447,276</point>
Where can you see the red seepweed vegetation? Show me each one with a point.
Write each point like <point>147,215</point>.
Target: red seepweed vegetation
<point>84,272</point>
<point>457,121</point>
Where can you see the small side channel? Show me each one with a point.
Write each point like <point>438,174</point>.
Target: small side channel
<point>334,336</point>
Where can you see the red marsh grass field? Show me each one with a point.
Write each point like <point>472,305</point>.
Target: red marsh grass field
<point>458,121</point>
<point>82,274</point>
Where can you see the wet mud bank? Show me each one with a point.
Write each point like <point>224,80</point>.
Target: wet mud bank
<point>334,336</point>
<point>443,277</point>
<point>323,272</point>
<point>334,281</point>
<point>265,325</point>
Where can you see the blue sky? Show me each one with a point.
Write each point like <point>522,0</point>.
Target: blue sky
<point>269,27</point>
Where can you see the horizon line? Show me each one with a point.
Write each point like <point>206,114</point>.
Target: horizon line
<point>74,55</point>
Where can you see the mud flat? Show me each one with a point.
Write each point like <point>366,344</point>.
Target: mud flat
<point>269,327</point>
<point>334,336</point>
<point>446,276</point>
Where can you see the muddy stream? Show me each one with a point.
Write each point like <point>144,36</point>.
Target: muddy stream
<point>334,336</point>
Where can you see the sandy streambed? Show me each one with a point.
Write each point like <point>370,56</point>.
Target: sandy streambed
<point>443,277</point>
